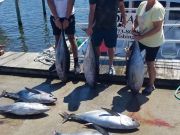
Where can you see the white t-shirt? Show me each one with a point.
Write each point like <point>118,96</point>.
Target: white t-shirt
<point>145,21</point>
<point>61,7</point>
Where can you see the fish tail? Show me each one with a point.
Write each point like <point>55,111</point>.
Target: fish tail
<point>9,95</point>
<point>56,133</point>
<point>3,94</point>
<point>66,117</point>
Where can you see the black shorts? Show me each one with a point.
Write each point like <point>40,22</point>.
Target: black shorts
<point>70,30</point>
<point>109,37</point>
<point>151,52</point>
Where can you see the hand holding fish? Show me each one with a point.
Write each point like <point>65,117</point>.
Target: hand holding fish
<point>58,23</point>
<point>65,23</point>
<point>89,31</point>
<point>124,22</point>
<point>138,37</point>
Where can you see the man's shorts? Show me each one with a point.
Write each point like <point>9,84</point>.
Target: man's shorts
<point>109,36</point>
<point>151,52</point>
<point>70,30</point>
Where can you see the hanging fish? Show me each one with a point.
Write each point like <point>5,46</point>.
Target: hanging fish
<point>135,69</point>
<point>62,62</point>
<point>90,65</point>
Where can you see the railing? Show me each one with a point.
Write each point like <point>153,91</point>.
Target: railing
<point>171,47</point>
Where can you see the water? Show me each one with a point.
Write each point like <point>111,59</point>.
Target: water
<point>35,34</point>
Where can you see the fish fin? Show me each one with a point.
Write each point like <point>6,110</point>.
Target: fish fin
<point>66,117</point>
<point>110,111</point>
<point>18,100</point>
<point>33,90</point>
<point>98,128</point>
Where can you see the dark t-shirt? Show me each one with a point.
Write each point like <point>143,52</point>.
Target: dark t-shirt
<point>105,13</point>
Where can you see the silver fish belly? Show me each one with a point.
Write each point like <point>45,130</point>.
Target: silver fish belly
<point>80,133</point>
<point>62,58</point>
<point>89,65</point>
<point>104,119</point>
<point>22,108</point>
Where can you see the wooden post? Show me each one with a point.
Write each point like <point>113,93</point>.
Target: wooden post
<point>44,7</point>
<point>18,13</point>
<point>22,38</point>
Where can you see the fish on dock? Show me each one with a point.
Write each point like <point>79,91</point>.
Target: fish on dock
<point>31,95</point>
<point>62,56</point>
<point>104,118</point>
<point>22,108</point>
<point>79,133</point>
<point>135,69</point>
<point>99,131</point>
<point>90,66</point>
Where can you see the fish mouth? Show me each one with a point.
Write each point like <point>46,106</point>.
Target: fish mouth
<point>45,110</point>
<point>55,99</point>
<point>136,123</point>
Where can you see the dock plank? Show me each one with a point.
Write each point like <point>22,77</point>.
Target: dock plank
<point>9,57</point>
<point>167,69</point>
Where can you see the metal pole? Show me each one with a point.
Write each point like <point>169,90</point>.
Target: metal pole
<point>18,13</point>
<point>44,7</point>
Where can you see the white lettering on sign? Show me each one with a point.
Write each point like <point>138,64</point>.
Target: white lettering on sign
<point>125,32</point>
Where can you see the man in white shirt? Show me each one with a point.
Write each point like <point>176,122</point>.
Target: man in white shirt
<point>62,14</point>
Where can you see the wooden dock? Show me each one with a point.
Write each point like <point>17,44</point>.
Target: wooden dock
<point>23,64</point>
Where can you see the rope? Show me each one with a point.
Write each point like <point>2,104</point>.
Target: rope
<point>47,57</point>
<point>177,92</point>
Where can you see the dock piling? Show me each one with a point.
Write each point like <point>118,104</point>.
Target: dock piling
<point>18,13</point>
<point>44,7</point>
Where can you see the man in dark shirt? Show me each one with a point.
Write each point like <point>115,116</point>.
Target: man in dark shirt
<point>103,25</point>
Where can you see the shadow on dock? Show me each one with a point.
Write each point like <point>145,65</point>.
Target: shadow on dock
<point>127,101</point>
<point>82,93</point>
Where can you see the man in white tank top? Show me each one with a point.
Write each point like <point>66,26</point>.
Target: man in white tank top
<point>62,14</point>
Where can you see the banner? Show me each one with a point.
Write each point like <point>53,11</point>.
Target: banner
<point>124,33</point>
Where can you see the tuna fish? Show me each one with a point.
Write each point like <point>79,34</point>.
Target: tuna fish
<point>22,108</point>
<point>104,118</point>
<point>90,66</point>
<point>31,95</point>
<point>100,131</point>
<point>135,69</point>
<point>62,62</point>
<point>80,133</point>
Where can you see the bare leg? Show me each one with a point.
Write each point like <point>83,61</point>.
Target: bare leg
<point>73,45</point>
<point>75,53</point>
<point>111,56</point>
<point>151,72</point>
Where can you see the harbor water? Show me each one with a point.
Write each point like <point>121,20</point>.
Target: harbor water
<point>35,34</point>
